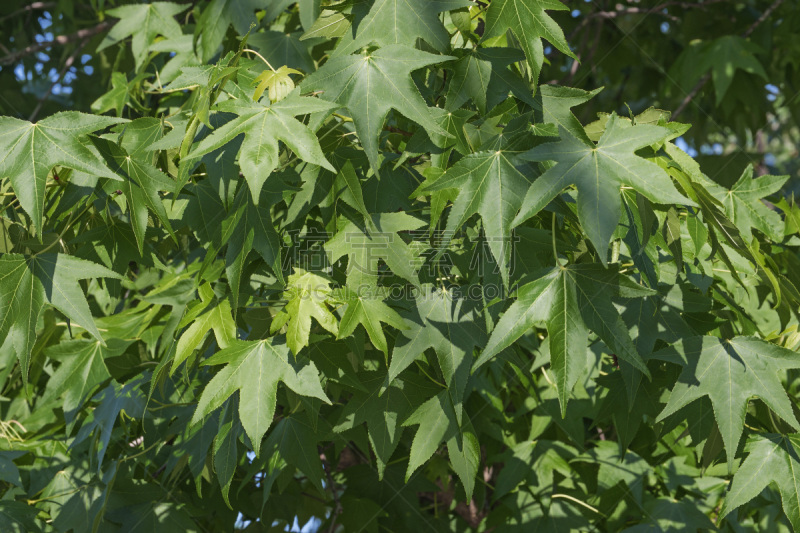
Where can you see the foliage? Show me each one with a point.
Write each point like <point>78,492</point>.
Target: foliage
<point>391,265</point>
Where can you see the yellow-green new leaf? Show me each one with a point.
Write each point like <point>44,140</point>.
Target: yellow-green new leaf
<point>308,295</point>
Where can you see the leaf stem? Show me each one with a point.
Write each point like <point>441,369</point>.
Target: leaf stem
<point>264,59</point>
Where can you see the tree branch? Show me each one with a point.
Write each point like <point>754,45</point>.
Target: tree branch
<point>67,64</point>
<point>60,39</point>
<point>35,6</point>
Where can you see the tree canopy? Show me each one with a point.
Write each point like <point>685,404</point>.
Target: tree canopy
<point>399,265</point>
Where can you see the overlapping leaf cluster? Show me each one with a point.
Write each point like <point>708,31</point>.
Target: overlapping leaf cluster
<point>351,262</point>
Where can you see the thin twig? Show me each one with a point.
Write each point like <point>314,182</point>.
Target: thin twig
<point>337,504</point>
<point>34,6</point>
<point>67,64</point>
<point>658,10</point>
<point>59,39</point>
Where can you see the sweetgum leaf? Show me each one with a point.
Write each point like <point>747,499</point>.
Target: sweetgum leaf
<point>369,85</point>
<point>30,151</point>
<point>772,460</point>
<point>26,283</point>
<point>569,301</point>
<point>730,372</point>
<point>598,173</point>
<point>399,22</point>
<point>255,368</point>
<point>263,127</point>
<point>529,21</point>
<point>144,22</point>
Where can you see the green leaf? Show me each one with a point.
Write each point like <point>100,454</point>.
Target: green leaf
<point>18,517</point>
<point>30,151</point>
<point>370,313</point>
<point>281,48</point>
<point>307,295</point>
<point>255,368</point>
<point>112,400</point>
<point>530,23</point>
<point>723,57</point>
<point>391,22</point>
<point>364,249</point>
<point>489,184</point>
<point>296,443</point>
<point>382,408</point>
<point>744,207</point>
<point>772,460</point>
<point>669,515</point>
<point>450,324</point>
<point>141,189</point>
<point>116,98</point>
<point>598,173</point>
<point>369,85</point>
<point>569,302</point>
<point>437,423</point>
<point>254,230</point>
<point>483,76</point>
<point>557,103</point>
<point>218,319</point>
<point>143,22</point>
<point>82,368</point>
<point>217,16</point>
<point>730,372</point>
<point>264,126</point>
<point>27,282</point>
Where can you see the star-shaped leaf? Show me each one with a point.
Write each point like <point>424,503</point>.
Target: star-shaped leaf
<point>557,103</point>
<point>730,372</point>
<point>28,152</point>
<point>438,422</point>
<point>254,369</point>
<point>744,207</point>
<point>530,23</point>
<point>723,57</point>
<point>308,295</point>
<point>293,440</point>
<point>453,327</point>
<point>489,184</point>
<point>598,173</point>
<point>82,367</point>
<point>483,75</point>
<point>371,84</point>
<point>772,460</point>
<point>399,22</point>
<point>141,189</point>
<point>370,312</point>
<point>252,229</point>
<point>144,22</point>
<point>27,282</point>
<point>264,126</point>
<point>570,302</point>
<point>217,16</point>
<point>364,249</point>
<point>382,409</point>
